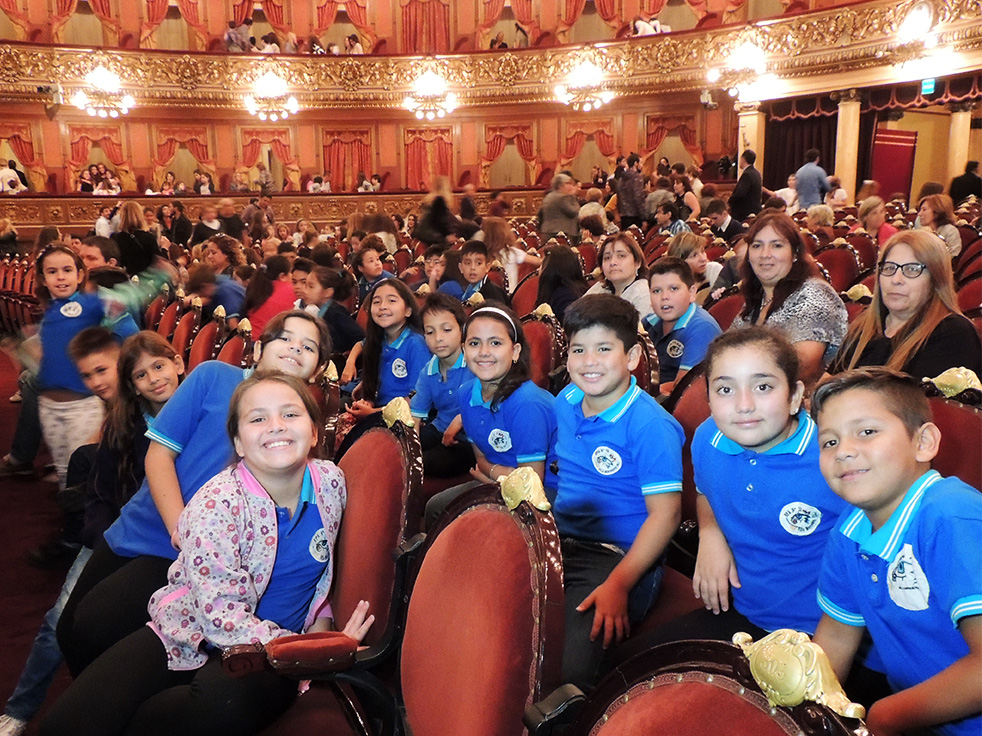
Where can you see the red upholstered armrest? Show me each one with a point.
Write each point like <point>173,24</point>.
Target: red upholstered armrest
<point>299,655</point>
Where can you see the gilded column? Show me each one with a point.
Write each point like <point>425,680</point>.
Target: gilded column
<point>958,138</point>
<point>751,123</point>
<point>847,141</point>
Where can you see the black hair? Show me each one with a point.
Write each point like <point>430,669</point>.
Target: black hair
<point>715,207</point>
<point>274,328</point>
<point>560,267</point>
<point>439,302</point>
<point>371,355</point>
<point>324,254</point>
<point>668,264</point>
<point>772,341</point>
<point>91,340</point>
<point>285,247</point>
<point>434,250</point>
<point>802,266</point>
<point>812,154</point>
<point>632,160</point>
<point>39,287</point>
<point>603,310</point>
<point>107,246</point>
<point>521,369</point>
<point>670,208</point>
<point>749,156</point>
<point>304,265</point>
<point>901,394</point>
<point>260,286</point>
<point>331,278</point>
<point>593,225</point>
<point>474,247</point>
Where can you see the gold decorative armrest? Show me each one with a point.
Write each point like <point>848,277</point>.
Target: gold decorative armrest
<point>397,410</point>
<point>955,380</point>
<point>331,371</point>
<point>790,668</point>
<point>523,484</point>
<point>544,310</point>
<point>476,299</point>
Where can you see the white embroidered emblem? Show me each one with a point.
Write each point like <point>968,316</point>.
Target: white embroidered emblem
<point>500,440</point>
<point>907,582</point>
<point>319,548</point>
<point>800,519</point>
<point>399,368</point>
<point>675,348</point>
<point>71,309</point>
<point>606,460</point>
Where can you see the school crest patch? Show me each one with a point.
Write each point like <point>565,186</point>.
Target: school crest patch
<point>500,440</point>
<point>907,582</point>
<point>606,460</point>
<point>675,348</point>
<point>71,309</point>
<point>800,519</point>
<point>399,369</point>
<point>319,549</point>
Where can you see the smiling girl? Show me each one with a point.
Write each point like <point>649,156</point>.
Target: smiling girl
<point>624,272</point>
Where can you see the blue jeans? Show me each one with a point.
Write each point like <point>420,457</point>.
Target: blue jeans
<point>45,657</point>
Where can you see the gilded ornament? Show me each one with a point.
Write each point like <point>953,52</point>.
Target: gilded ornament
<point>523,484</point>
<point>351,74</point>
<point>397,410</point>
<point>188,73</point>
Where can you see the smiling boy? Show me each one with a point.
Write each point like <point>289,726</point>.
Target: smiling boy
<point>620,480</point>
<point>906,561</point>
<point>680,329</point>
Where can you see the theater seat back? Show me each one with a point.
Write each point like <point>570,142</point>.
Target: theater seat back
<point>961,438</point>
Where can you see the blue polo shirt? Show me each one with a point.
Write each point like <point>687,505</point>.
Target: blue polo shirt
<point>302,555</point>
<point>777,512</point>
<point>192,424</point>
<point>443,395</point>
<point>685,346</point>
<point>365,286</point>
<point>609,462</point>
<point>521,430</point>
<point>911,581</point>
<point>402,361</point>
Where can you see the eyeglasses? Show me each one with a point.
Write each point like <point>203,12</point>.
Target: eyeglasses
<point>910,270</point>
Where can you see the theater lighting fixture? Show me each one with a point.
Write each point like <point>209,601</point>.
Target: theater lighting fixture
<point>584,88</point>
<point>744,74</point>
<point>430,98</point>
<point>918,52</point>
<point>270,99</point>
<point>103,98</point>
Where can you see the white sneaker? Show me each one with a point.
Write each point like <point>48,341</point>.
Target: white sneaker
<point>10,726</point>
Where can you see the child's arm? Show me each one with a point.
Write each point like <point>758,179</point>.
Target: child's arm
<point>165,489</point>
<point>455,427</point>
<point>715,567</point>
<point>487,472</point>
<point>350,365</point>
<point>953,693</point>
<point>362,408</point>
<point>610,598</point>
<point>840,642</point>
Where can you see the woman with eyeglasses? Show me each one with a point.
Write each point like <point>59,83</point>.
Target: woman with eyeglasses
<point>913,324</point>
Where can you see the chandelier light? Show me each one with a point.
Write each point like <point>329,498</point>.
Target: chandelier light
<point>584,88</point>
<point>744,75</point>
<point>270,99</point>
<point>918,53</point>
<point>103,98</point>
<point>430,98</point>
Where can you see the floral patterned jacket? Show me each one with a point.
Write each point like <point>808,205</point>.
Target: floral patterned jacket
<point>228,547</point>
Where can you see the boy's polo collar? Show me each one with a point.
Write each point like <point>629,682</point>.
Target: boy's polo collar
<point>433,367</point>
<point>612,413</point>
<point>796,444</point>
<point>474,288</point>
<point>680,323</point>
<point>886,540</point>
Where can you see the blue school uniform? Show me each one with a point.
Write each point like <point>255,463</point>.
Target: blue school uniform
<point>521,430</point>
<point>443,395</point>
<point>192,424</point>
<point>609,462</point>
<point>911,581</point>
<point>402,361</point>
<point>365,286</point>
<point>685,346</point>
<point>777,512</point>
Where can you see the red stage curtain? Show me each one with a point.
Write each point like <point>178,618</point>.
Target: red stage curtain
<point>156,12</point>
<point>574,9</point>
<point>429,154</point>
<point>17,16</point>
<point>425,27</point>
<point>103,11</point>
<point>607,9</point>
<point>18,135</point>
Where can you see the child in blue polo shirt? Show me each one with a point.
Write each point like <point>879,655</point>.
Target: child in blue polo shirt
<point>475,263</point>
<point>680,329</point>
<point>620,480</point>
<point>446,451</point>
<point>906,562</point>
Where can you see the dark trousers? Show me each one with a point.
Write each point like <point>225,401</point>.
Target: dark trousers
<point>442,461</point>
<point>628,220</point>
<point>585,566</point>
<point>129,690</point>
<point>109,602</point>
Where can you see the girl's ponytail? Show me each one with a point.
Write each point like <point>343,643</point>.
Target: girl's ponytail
<point>260,286</point>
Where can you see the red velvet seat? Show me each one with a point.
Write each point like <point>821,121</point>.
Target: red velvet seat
<point>961,438</point>
<point>689,404</point>
<point>233,351</point>
<point>526,295</point>
<point>403,258</point>
<point>648,371</point>
<point>588,256</point>
<point>726,310</point>
<point>205,345</point>
<point>865,248</point>
<point>184,333</point>
<point>842,264</point>
<point>547,347</point>
<point>168,320</point>
<point>970,298</point>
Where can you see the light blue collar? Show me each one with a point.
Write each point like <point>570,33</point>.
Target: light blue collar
<point>433,367</point>
<point>796,444</point>
<point>886,540</point>
<point>397,343</point>
<point>614,412</point>
<point>476,398</point>
<point>680,323</point>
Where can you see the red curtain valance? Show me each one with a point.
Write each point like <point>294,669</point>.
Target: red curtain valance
<point>658,128</point>
<point>428,135</point>
<point>278,139</point>
<point>20,138</point>
<point>577,133</point>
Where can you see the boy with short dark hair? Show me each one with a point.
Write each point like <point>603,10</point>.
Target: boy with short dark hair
<point>474,266</point>
<point>620,480</point>
<point>298,277</point>
<point>95,351</point>
<point>97,251</point>
<point>906,562</point>
<point>680,329</point>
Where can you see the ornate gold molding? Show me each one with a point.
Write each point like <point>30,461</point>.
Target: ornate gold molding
<point>837,40</point>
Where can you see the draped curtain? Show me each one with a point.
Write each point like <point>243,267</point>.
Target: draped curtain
<point>347,152</point>
<point>157,11</point>
<point>18,135</point>
<point>425,27</point>
<point>18,17</point>
<point>524,14</point>
<point>65,9</point>
<point>429,154</point>
<point>492,11</point>
<point>82,137</point>
<point>495,140</point>
<point>659,128</point>
<point>357,10</point>
<point>168,141</point>
<point>278,139</point>
<point>577,133</point>
<point>242,10</point>
<point>606,9</point>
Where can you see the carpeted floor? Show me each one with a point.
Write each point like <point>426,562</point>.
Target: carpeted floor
<point>28,517</point>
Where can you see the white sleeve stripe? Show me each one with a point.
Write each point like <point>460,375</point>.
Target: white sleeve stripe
<point>653,488</point>
<point>161,440</point>
<point>839,614</point>
<point>969,606</point>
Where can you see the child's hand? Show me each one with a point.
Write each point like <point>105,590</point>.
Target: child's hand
<point>450,435</point>
<point>715,572</point>
<point>175,540</point>
<point>348,374</point>
<point>359,623</point>
<point>609,601</point>
<point>361,409</point>
<point>478,475</point>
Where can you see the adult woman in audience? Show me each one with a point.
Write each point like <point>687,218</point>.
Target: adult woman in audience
<point>561,281</point>
<point>781,287</point>
<point>691,248</point>
<point>85,183</point>
<point>685,198</point>
<point>836,196</point>
<point>223,254</point>
<point>137,246</point>
<point>936,213</point>
<point>352,45</point>
<point>818,219</point>
<point>624,272</point>
<point>913,323</point>
<point>873,219</point>
<point>169,184</point>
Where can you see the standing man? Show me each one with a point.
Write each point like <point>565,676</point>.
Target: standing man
<point>961,186</point>
<point>746,197</point>
<point>811,181</point>
<point>631,194</point>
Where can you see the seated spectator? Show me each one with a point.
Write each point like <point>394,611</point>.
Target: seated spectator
<point>316,185</point>
<point>721,224</point>
<point>936,213</point>
<point>624,272</point>
<point>333,49</point>
<point>168,185</point>
<point>667,218</point>
<point>271,44</point>
<point>709,193</point>
<point>873,219</point>
<point>561,280</point>
<point>269,292</point>
<point>591,228</point>
<point>291,45</point>
<point>474,267</point>
<point>207,226</point>
<point>367,265</point>
<point>314,46</point>
<point>774,204</point>
<point>691,248</point>
<point>685,199</point>
<point>239,182</point>
<point>498,42</point>
<point>659,192</point>
<point>289,251</point>
<point>593,205</point>
<point>85,183</point>
<point>836,196</point>
<point>352,45</point>
<point>325,291</point>
<point>376,182</point>
<point>790,194</point>
<point>819,219</point>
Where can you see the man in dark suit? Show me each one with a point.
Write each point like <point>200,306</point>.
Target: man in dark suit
<point>746,197</point>
<point>965,185</point>
<point>723,226</point>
